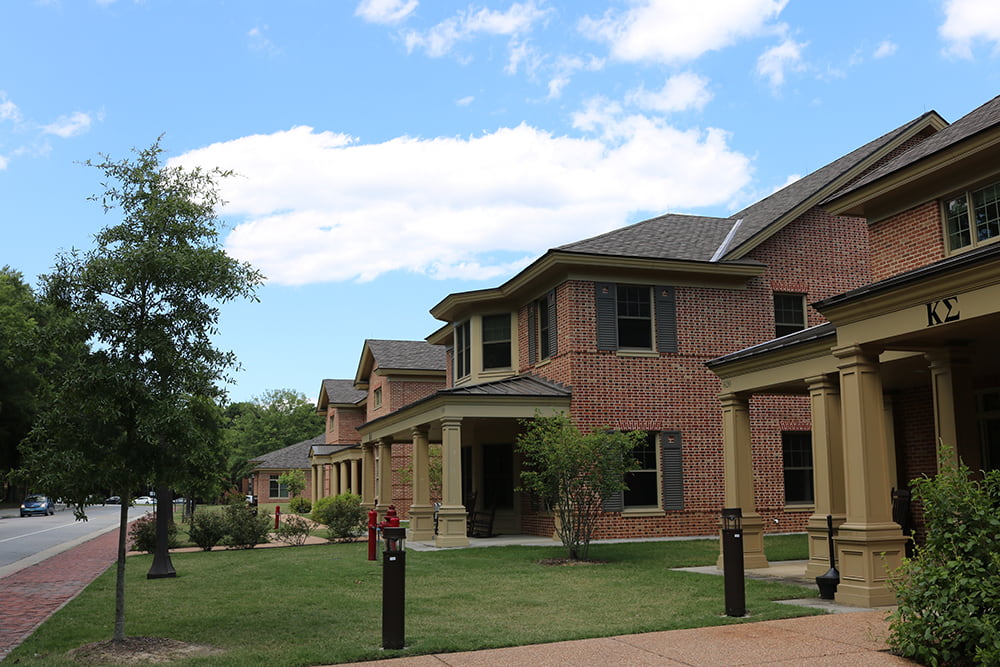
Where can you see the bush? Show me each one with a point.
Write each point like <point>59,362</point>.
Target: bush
<point>293,530</point>
<point>143,534</point>
<point>207,530</point>
<point>299,505</point>
<point>343,516</point>
<point>949,593</point>
<point>244,529</point>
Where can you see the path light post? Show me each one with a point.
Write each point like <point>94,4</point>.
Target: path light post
<point>732,561</point>
<point>828,582</point>
<point>393,586</point>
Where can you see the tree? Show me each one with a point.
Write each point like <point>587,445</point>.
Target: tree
<point>276,419</point>
<point>294,481</point>
<point>574,474</point>
<point>136,407</point>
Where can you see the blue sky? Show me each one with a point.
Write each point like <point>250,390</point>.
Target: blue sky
<point>391,152</point>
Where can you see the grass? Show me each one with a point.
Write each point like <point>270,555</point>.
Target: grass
<point>322,604</point>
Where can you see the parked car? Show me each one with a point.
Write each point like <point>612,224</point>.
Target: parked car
<point>113,500</point>
<point>37,504</point>
<point>180,501</point>
<point>144,500</point>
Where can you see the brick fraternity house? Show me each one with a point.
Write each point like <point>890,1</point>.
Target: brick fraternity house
<point>615,331</point>
<point>904,362</point>
<point>269,467</point>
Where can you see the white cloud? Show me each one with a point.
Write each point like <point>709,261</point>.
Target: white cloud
<point>967,22</point>
<point>776,61</point>
<point>680,92</point>
<point>69,126</point>
<point>385,11</point>
<point>564,69</point>
<point>442,38</point>
<point>259,41</point>
<point>674,31</point>
<point>885,49</point>
<point>317,206</point>
<point>465,101</point>
<point>8,110</point>
<point>3,162</point>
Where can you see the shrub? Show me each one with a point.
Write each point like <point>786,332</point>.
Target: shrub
<point>143,534</point>
<point>244,528</point>
<point>949,593</point>
<point>299,505</point>
<point>207,530</point>
<point>293,530</point>
<point>343,516</point>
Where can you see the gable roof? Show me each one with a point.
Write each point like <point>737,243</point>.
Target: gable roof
<point>288,458</point>
<point>674,236</point>
<point>406,356</point>
<point>339,392</point>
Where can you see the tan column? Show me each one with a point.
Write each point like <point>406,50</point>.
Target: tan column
<point>421,511</point>
<point>828,469</point>
<point>368,476</point>
<point>384,494</point>
<point>869,543</point>
<point>344,487</point>
<point>355,477</point>
<point>334,480</point>
<point>451,516</point>
<point>738,465</point>
<point>954,406</point>
<point>317,492</point>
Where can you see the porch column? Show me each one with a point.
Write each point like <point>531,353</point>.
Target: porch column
<point>738,465</point>
<point>384,495</point>
<point>828,469</point>
<point>954,408</point>
<point>335,480</point>
<point>421,511</point>
<point>451,516</point>
<point>869,543</point>
<point>317,492</point>
<point>368,476</point>
<point>355,479</point>
<point>344,488</point>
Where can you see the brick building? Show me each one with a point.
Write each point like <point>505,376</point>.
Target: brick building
<point>616,330</point>
<point>904,362</point>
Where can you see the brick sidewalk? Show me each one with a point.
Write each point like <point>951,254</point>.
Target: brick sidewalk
<point>33,594</point>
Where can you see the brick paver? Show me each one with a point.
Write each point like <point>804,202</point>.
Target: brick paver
<point>33,594</point>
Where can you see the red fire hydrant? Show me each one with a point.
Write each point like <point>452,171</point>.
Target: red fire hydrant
<point>277,516</point>
<point>372,533</point>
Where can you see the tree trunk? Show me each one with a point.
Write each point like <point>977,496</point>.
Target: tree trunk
<point>119,634</point>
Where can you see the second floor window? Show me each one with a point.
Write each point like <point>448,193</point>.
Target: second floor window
<point>789,313</point>
<point>636,317</point>
<point>983,225</point>
<point>463,348</point>
<point>378,397</point>
<point>496,341</point>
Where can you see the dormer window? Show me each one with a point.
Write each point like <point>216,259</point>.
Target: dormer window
<point>378,397</point>
<point>496,341</point>
<point>463,349</point>
<point>983,225</point>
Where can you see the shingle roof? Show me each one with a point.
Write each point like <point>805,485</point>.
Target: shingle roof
<point>974,122</point>
<point>671,236</point>
<point>326,450</point>
<point>519,385</point>
<point>288,458</point>
<point>408,355</point>
<point>343,391</point>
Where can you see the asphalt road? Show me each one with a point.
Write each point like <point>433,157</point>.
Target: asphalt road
<point>28,540</point>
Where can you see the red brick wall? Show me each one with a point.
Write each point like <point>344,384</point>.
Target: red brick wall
<point>262,486</point>
<point>907,241</point>
<point>347,423</point>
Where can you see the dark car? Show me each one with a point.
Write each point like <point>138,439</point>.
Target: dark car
<point>37,504</point>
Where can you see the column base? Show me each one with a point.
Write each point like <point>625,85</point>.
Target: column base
<point>753,544</point>
<point>451,528</point>
<point>421,523</point>
<point>866,557</point>
<point>819,546</point>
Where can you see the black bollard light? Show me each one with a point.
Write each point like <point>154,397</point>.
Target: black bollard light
<point>393,586</point>
<point>829,581</point>
<point>732,561</point>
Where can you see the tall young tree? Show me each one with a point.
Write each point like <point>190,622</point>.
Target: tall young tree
<point>136,408</point>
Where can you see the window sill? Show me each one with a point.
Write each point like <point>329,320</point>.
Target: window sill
<point>638,353</point>
<point>638,512</point>
<point>800,507</point>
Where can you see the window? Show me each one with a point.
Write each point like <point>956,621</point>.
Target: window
<point>796,453</point>
<point>276,488</point>
<point>496,341</point>
<point>789,313</point>
<point>628,316</point>
<point>542,328</point>
<point>642,488</point>
<point>983,225</point>
<point>463,363</point>
<point>378,397</point>
<point>658,481</point>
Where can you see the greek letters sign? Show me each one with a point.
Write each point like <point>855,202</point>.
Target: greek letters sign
<point>943,311</point>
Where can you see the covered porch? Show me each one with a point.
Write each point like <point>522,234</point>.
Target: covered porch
<point>335,469</point>
<point>476,428</point>
<point>905,364</point>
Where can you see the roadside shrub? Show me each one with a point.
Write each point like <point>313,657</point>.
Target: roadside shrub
<point>293,530</point>
<point>343,516</point>
<point>299,505</point>
<point>949,593</point>
<point>207,530</point>
<point>244,529</point>
<point>143,534</point>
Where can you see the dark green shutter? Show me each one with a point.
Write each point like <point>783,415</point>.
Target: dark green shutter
<point>671,470</point>
<point>666,319</point>
<point>550,303</point>
<point>532,349</point>
<point>615,502</point>
<point>607,316</point>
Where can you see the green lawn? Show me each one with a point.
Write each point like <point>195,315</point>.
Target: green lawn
<point>322,604</point>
